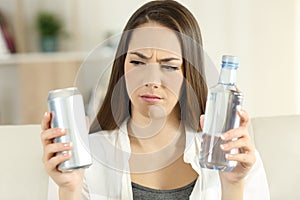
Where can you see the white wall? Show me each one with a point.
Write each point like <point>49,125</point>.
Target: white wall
<point>98,17</point>
<point>264,34</point>
<point>297,54</point>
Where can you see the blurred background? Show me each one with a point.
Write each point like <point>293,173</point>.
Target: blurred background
<point>43,43</point>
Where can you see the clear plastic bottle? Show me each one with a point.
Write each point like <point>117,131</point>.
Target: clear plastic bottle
<point>223,102</point>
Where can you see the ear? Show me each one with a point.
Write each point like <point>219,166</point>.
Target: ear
<point>202,121</point>
<point>87,121</point>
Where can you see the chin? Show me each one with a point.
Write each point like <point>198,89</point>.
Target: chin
<point>157,112</point>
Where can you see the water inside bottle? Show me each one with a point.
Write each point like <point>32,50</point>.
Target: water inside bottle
<point>221,116</point>
<point>212,156</point>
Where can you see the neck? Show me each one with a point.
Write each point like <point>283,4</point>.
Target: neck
<point>153,133</point>
<point>163,143</point>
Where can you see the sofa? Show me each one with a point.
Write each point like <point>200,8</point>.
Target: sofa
<point>22,174</point>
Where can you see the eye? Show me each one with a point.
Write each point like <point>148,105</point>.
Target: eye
<point>136,62</point>
<point>170,68</point>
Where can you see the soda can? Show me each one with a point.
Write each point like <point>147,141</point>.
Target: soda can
<point>67,108</point>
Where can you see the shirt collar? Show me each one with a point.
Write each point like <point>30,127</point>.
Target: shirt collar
<point>192,145</point>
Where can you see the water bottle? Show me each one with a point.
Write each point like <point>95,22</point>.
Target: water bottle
<point>223,102</point>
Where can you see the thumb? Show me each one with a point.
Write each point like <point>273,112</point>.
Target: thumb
<point>244,117</point>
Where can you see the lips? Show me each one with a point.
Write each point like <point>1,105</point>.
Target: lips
<point>151,98</point>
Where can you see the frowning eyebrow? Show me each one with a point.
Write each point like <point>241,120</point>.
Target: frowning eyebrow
<point>147,58</point>
<point>140,55</point>
<point>168,59</point>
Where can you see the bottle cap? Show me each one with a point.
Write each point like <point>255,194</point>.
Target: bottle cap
<point>230,61</point>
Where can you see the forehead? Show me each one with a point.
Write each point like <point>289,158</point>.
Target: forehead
<point>151,36</point>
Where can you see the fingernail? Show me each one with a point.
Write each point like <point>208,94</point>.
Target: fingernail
<point>223,146</point>
<point>67,144</point>
<point>63,130</point>
<point>224,136</point>
<point>241,112</point>
<point>45,114</point>
<point>66,153</point>
<point>228,156</point>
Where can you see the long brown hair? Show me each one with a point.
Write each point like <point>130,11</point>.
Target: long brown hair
<point>171,14</point>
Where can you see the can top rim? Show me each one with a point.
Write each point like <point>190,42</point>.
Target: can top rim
<point>63,92</point>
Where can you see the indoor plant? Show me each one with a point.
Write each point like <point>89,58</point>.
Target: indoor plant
<point>49,27</point>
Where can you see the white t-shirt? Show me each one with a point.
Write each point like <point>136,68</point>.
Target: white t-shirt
<point>109,175</point>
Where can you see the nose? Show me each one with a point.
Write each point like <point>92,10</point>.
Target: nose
<point>152,77</point>
<point>152,85</point>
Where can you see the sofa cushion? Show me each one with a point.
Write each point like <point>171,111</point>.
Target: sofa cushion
<point>23,176</point>
<point>277,139</point>
<point>21,170</point>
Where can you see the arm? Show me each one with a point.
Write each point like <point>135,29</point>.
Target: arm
<point>232,191</point>
<point>255,184</point>
<point>233,183</point>
<point>70,194</point>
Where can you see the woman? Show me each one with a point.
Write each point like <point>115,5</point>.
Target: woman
<point>146,136</point>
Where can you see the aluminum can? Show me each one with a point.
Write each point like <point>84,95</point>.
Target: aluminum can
<point>67,108</point>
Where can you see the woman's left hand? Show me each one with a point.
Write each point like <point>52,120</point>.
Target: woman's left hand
<point>246,156</point>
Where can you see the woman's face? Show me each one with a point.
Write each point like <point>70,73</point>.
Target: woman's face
<point>153,71</point>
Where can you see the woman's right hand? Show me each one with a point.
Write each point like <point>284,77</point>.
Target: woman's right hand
<point>68,181</point>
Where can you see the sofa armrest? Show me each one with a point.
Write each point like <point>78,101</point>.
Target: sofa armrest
<point>21,170</point>
<point>277,139</point>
